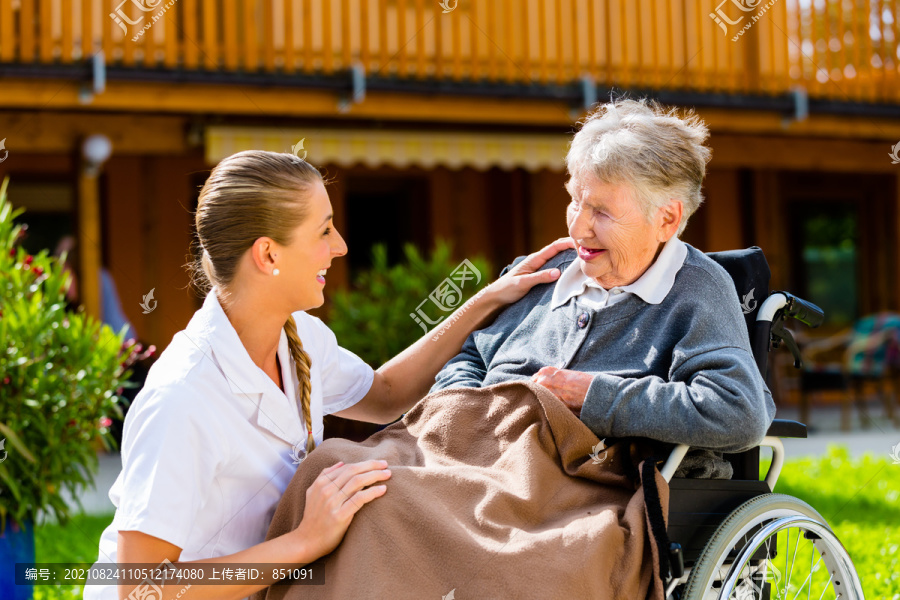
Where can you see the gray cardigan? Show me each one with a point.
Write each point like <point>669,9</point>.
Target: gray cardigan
<point>680,371</point>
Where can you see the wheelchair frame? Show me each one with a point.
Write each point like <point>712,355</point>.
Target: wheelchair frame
<point>733,510</point>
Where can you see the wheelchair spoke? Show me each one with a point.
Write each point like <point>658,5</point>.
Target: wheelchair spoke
<point>826,586</point>
<point>812,570</point>
<point>788,547</point>
<point>812,553</point>
<point>793,558</point>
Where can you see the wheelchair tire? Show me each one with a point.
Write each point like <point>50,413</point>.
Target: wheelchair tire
<point>740,538</point>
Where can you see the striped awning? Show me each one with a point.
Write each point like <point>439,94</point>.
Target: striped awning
<point>375,148</point>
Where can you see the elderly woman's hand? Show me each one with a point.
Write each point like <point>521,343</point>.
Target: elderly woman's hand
<point>569,386</point>
<point>525,275</point>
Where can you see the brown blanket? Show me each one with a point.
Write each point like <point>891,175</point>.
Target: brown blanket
<point>493,494</point>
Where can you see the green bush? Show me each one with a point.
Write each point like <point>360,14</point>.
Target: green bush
<point>59,373</point>
<point>372,318</point>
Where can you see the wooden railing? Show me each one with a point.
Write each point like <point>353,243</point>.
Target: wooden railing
<point>840,49</point>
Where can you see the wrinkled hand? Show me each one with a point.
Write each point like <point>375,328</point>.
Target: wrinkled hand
<point>525,275</point>
<point>569,386</point>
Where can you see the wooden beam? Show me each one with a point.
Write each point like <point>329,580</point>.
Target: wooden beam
<point>233,100</point>
<point>59,132</point>
<point>788,153</point>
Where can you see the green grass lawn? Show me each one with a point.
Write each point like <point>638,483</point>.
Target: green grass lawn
<point>860,499</point>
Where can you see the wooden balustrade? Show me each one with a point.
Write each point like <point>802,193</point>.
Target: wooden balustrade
<point>836,49</point>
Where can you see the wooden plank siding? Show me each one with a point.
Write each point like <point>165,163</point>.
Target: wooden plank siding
<point>836,49</point>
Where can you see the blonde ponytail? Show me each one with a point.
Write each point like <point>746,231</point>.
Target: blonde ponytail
<point>302,364</point>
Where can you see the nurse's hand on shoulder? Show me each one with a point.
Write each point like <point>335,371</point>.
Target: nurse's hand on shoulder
<point>525,275</point>
<point>332,500</point>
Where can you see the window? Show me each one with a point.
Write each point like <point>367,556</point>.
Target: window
<point>385,210</point>
<point>828,247</point>
<point>49,211</point>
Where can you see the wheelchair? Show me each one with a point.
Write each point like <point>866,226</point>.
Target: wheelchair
<point>736,538</point>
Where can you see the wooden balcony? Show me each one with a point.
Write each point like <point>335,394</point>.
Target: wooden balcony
<point>840,50</point>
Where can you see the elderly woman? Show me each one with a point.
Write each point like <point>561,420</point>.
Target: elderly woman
<point>642,334</point>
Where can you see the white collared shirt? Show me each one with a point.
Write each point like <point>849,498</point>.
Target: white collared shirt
<point>208,444</point>
<point>651,287</point>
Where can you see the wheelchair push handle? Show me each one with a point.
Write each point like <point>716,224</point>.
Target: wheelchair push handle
<point>778,307</point>
<point>804,311</point>
<point>785,304</point>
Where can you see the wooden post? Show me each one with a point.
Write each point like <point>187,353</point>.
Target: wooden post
<point>89,242</point>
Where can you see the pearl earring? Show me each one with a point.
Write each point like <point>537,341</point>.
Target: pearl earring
<point>276,272</point>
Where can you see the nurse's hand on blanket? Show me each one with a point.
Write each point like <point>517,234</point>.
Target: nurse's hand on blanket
<point>569,386</point>
<point>331,501</point>
<point>515,284</point>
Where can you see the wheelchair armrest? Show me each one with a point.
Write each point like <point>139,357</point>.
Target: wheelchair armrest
<point>784,428</point>
<point>679,451</point>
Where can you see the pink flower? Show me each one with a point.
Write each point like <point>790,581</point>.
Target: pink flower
<point>105,421</point>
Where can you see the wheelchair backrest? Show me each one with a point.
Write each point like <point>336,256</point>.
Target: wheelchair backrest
<point>750,272</point>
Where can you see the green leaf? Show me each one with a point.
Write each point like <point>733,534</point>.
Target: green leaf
<point>15,442</point>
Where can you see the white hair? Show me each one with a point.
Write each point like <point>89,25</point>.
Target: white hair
<point>659,154</point>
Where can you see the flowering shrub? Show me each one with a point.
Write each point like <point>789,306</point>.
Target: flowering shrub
<point>61,374</point>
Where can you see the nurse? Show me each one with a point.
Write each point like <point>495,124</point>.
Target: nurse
<point>237,398</point>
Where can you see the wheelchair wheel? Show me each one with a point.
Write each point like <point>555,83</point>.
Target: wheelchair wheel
<point>773,547</point>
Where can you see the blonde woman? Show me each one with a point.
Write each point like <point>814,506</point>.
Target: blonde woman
<point>237,398</point>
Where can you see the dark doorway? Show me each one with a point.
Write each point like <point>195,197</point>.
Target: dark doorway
<point>49,210</point>
<point>842,242</point>
<point>826,250</point>
<point>389,210</point>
